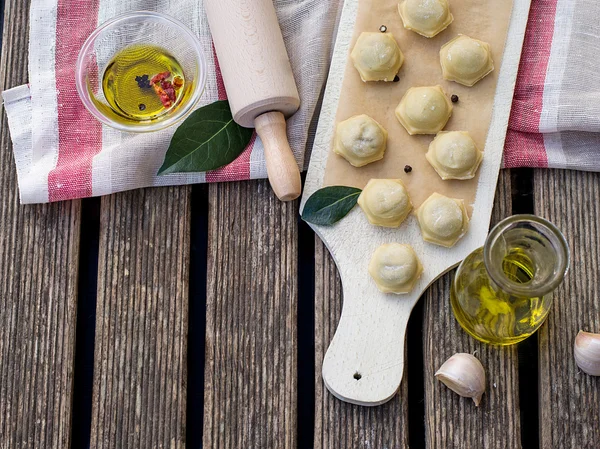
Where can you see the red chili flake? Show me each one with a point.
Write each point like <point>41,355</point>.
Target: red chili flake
<point>164,88</point>
<point>160,77</point>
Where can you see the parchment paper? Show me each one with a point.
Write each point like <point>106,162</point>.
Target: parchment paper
<point>486,20</point>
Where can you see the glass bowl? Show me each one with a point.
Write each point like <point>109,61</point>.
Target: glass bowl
<point>140,28</point>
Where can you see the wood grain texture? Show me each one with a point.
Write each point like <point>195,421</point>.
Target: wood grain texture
<point>38,286</point>
<point>453,421</point>
<point>140,362</point>
<point>569,399</point>
<point>250,365</point>
<point>340,424</point>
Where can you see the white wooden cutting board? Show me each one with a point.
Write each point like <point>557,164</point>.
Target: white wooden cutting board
<point>365,361</point>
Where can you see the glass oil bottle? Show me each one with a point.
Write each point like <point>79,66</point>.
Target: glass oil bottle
<point>502,292</point>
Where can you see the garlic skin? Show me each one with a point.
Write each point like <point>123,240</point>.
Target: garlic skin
<point>587,352</point>
<point>464,375</point>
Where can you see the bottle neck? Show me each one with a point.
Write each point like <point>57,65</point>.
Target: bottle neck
<point>526,255</point>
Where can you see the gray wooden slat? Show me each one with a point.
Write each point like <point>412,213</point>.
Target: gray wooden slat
<point>39,248</point>
<point>140,362</point>
<point>452,421</point>
<point>569,400</point>
<point>250,365</point>
<point>337,423</point>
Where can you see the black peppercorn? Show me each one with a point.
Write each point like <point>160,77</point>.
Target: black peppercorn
<point>142,107</point>
<point>454,98</point>
<point>143,81</point>
<point>383,28</point>
<point>407,169</point>
<point>396,79</point>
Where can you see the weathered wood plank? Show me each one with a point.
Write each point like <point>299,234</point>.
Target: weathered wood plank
<point>339,424</point>
<point>250,366</point>
<point>140,363</point>
<point>569,399</point>
<point>38,286</point>
<point>452,421</point>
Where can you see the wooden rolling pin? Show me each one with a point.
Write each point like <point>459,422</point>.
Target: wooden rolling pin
<point>259,81</point>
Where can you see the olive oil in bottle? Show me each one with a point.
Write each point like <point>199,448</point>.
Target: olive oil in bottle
<point>502,292</point>
<point>143,82</point>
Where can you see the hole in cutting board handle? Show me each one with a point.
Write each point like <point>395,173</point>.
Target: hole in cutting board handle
<point>357,375</point>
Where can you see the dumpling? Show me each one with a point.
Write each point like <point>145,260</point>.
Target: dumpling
<point>395,268</point>
<point>466,60</point>
<point>454,155</point>
<point>360,140</point>
<point>443,220</point>
<point>385,202</point>
<point>426,17</point>
<point>424,110</point>
<point>377,56</point>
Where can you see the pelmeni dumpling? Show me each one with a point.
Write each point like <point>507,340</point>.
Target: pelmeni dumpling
<point>424,110</point>
<point>426,17</point>
<point>466,60</point>
<point>454,155</point>
<point>360,140</point>
<point>385,202</point>
<point>377,56</point>
<point>443,220</point>
<point>395,268</point>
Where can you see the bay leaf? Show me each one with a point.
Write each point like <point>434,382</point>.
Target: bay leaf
<point>206,140</point>
<point>330,204</point>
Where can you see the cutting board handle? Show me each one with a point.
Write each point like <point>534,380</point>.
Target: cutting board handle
<point>282,168</point>
<point>365,360</point>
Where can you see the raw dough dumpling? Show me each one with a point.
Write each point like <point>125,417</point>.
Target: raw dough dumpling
<point>385,202</point>
<point>426,17</point>
<point>424,110</point>
<point>395,268</point>
<point>466,60</point>
<point>377,56</point>
<point>454,155</point>
<point>443,220</point>
<point>360,140</point>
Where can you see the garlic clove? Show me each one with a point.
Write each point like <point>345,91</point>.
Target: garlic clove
<point>464,375</point>
<point>587,352</point>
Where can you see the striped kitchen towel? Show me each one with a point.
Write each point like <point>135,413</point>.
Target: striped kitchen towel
<point>62,152</point>
<point>555,118</point>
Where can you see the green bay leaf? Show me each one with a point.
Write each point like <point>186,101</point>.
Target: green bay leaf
<point>330,204</point>
<point>206,140</point>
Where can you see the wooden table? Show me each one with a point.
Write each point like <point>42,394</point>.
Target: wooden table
<point>200,316</point>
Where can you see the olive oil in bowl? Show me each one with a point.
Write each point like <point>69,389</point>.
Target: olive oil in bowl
<point>143,83</point>
<point>141,72</point>
<point>502,292</point>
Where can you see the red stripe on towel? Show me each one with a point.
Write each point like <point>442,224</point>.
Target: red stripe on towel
<point>529,91</point>
<point>239,169</point>
<point>524,145</point>
<point>524,150</point>
<point>79,134</point>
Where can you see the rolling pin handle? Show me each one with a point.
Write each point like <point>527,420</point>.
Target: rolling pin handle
<point>282,168</point>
